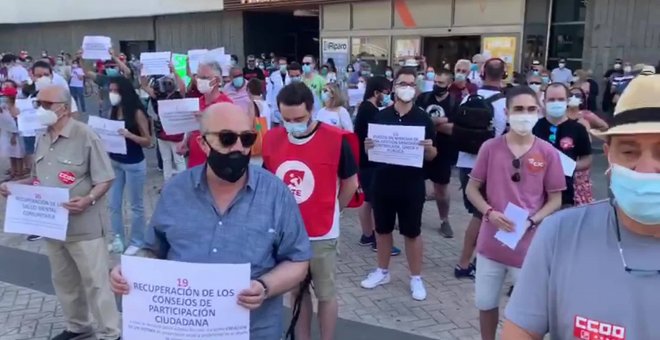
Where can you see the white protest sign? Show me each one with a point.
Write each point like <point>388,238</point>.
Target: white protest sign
<point>176,115</point>
<point>194,56</point>
<point>28,123</point>
<point>355,96</point>
<point>108,131</point>
<point>155,63</point>
<point>176,300</point>
<point>37,210</point>
<point>96,48</point>
<point>518,216</point>
<point>567,164</point>
<point>396,144</point>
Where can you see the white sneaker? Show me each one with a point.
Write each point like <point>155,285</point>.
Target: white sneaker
<point>131,251</point>
<point>375,279</point>
<point>417,289</point>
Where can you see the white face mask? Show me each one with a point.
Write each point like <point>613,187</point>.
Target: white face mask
<point>405,93</point>
<point>46,117</point>
<point>562,65</point>
<point>42,83</point>
<point>627,69</point>
<point>115,98</point>
<point>361,85</point>
<point>574,101</point>
<point>535,87</point>
<point>204,86</point>
<point>523,123</point>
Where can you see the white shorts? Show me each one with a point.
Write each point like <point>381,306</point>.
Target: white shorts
<point>489,280</point>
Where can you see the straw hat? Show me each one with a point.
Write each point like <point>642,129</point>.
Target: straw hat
<point>638,108</point>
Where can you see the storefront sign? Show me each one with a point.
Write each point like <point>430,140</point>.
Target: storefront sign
<point>253,4</point>
<point>503,48</point>
<point>337,49</point>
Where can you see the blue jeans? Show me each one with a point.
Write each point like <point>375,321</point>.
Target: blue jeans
<point>78,94</point>
<point>132,177</point>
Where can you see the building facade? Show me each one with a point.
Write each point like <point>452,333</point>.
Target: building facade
<point>588,33</point>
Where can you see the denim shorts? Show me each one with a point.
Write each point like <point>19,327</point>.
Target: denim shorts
<point>29,145</point>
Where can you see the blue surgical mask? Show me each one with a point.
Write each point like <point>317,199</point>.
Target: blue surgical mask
<point>283,68</point>
<point>388,73</point>
<point>474,67</point>
<point>238,82</point>
<point>296,129</point>
<point>111,72</point>
<point>637,194</point>
<point>430,75</point>
<point>325,96</point>
<point>296,79</point>
<point>307,69</point>
<point>387,100</point>
<point>556,109</point>
<point>535,72</point>
<point>460,76</point>
<point>546,80</point>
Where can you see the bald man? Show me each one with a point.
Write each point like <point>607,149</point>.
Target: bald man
<point>70,155</point>
<point>236,213</point>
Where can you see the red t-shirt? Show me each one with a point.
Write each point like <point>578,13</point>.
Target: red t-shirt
<point>196,155</point>
<point>461,92</point>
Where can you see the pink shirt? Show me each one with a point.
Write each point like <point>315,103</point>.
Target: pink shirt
<point>540,172</point>
<point>240,96</point>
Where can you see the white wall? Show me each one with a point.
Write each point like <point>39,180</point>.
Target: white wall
<point>37,11</point>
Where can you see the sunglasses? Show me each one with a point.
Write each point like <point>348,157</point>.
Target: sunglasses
<point>516,165</point>
<point>227,139</point>
<point>535,83</point>
<point>307,64</point>
<point>553,135</point>
<point>46,105</point>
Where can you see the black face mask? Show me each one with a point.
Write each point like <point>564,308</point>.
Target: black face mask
<point>229,167</point>
<point>439,91</point>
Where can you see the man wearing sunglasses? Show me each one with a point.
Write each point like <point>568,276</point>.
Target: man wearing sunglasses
<point>235,213</point>
<point>593,272</point>
<point>566,135</point>
<point>515,168</point>
<point>70,155</point>
<point>313,80</point>
<point>316,162</point>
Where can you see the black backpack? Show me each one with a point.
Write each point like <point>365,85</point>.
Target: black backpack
<point>473,122</point>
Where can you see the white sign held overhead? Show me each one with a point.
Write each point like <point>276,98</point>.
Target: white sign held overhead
<point>194,56</point>
<point>155,63</point>
<point>96,48</point>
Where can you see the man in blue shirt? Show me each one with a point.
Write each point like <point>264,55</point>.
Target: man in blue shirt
<point>228,211</point>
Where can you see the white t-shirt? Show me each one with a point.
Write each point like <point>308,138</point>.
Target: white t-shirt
<point>18,74</point>
<point>466,160</point>
<point>340,118</point>
<point>75,81</point>
<point>475,78</point>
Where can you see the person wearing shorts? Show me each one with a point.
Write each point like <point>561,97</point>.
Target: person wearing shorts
<point>399,191</point>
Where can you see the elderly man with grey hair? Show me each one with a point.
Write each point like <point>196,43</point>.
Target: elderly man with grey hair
<point>208,82</point>
<point>462,87</point>
<point>236,89</point>
<point>235,213</point>
<point>70,155</point>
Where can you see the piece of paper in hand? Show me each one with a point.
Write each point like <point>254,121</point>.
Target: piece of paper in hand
<point>177,115</point>
<point>108,131</point>
<point>37,210</point>
<point>194,56</point>
<point>567,164</point>
<point>396,144</point>
<point>518,216</point>
<point>155,63</point>
<point>355,96</point>
<point>96,48</point>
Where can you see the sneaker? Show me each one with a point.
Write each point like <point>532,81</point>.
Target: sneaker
<point>395,251</point>
<point>131,251</point>
<point>417,289</point>
<point>368,240</point>
<point>375,279</point>
<point>34,238</point>
<point>445,230</point>
<point>464,272</point>
<point>66,335</point>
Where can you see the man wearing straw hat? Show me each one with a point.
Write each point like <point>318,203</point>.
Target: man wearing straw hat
<point>593,272</point>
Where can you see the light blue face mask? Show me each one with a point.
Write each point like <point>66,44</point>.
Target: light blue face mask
<point>387,100</point>
<point>296,129</point>
<point>430,75</point>
<point>295,79</point>
<point>325,96</point>
<point>238,82</point>
<point>556,109</point>
<point>637,194</point>
<point>307,69</point>
<point>460,76</point>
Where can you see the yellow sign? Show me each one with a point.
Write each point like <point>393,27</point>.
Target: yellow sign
<point>503,48</point>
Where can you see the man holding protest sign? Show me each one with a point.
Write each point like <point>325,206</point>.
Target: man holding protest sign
<point>237,213</point>
<point>70,155</point>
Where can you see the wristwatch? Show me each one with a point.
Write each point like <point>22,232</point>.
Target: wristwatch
<point>265,287</point>
<point>93,199</point>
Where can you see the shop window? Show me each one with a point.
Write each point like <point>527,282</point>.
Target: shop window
<point>373,50</point>
<point>569,10</point>
<point>567,41</point>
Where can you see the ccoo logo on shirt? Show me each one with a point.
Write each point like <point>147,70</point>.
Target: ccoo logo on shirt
<point>298,178</point>
<point>588,329</point>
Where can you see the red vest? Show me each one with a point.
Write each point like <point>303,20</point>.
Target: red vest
<point>310,171</point>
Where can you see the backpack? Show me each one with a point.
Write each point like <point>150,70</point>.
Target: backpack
<point>473,123</point>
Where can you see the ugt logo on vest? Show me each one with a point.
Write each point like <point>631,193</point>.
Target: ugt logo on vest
<point>298,178</point>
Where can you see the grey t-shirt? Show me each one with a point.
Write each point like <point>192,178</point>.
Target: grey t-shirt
<point>573,283</point>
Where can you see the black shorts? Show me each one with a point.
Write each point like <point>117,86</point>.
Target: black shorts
<point>464,176</point>
<point>408,209</point>
<point>366,176</point>
<point>438,170</point>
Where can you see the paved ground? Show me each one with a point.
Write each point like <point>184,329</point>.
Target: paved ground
<point>29,310</point>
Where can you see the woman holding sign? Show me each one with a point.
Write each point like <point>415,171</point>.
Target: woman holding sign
<point>131,168</point>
